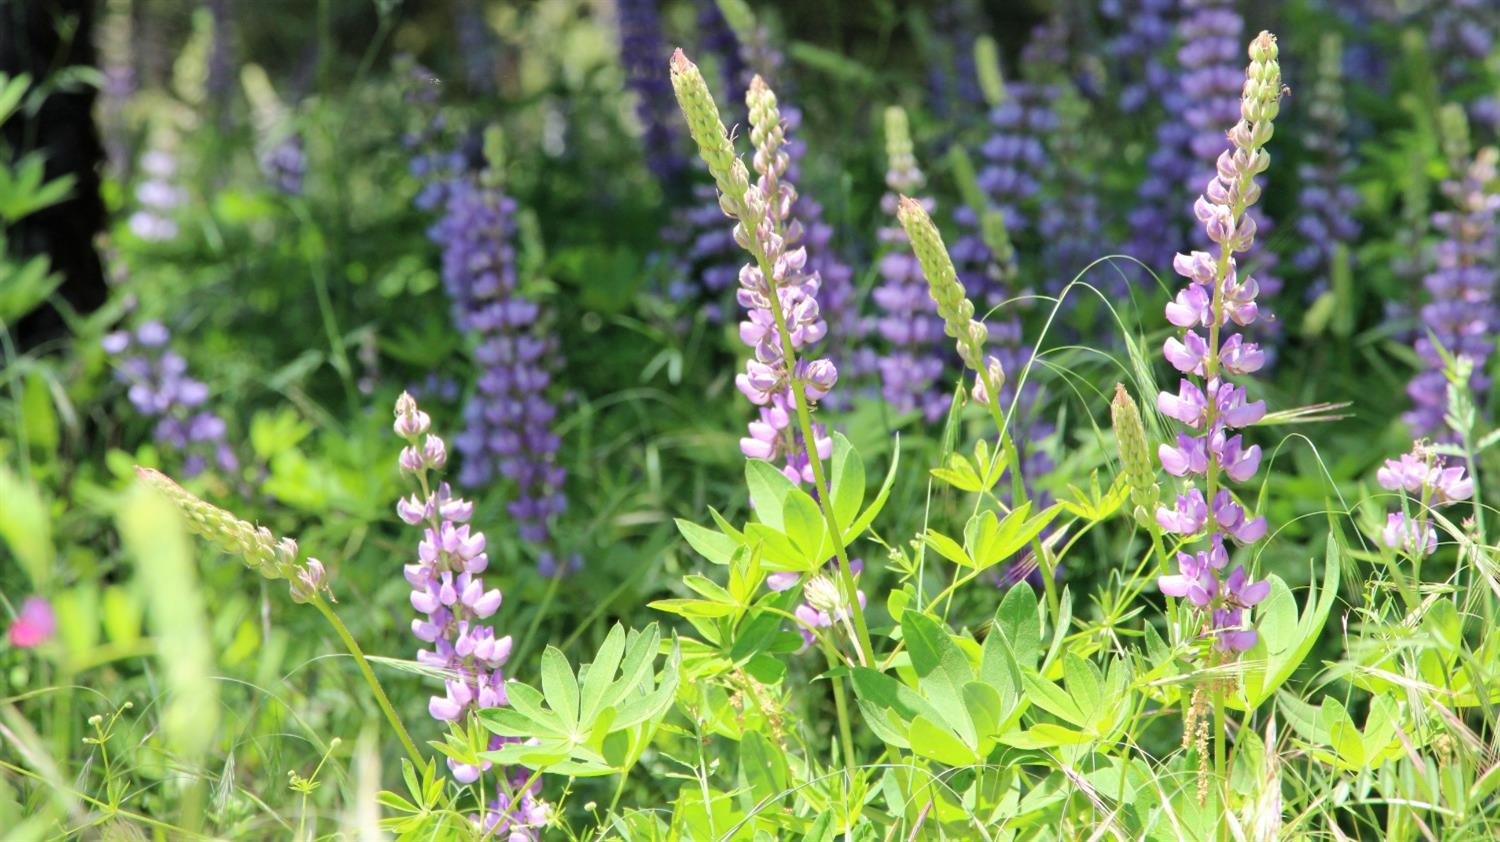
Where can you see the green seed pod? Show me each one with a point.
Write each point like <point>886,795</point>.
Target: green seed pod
<point>1135,453</point>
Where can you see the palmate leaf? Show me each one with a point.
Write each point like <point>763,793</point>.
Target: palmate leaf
<point>594,723</point>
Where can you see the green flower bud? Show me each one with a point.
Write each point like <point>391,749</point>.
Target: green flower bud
<point>1135,453</point>
<point>987,66</point>
<point>943,284</point>
<point>702,115</point>
<point>255,545</point>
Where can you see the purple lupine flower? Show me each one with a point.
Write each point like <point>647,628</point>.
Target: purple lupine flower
<point>810,615</point>
<point>157,197</point>
<point>1014,153</point>
<point>1211,33</point>
<point>909,324</point>
<point>1211,410</point>
<point>1461,35</point>
<point>508,431</point>
<point>642,50</point>
<point>1409,535</point>
<point>285,165</point>
<point>34,625</point>
<point>1327,200</point>
<point>448,591</point>
<point>709,262</point>
<point>768,380</point>
<point>1425,481</point>
<point>952,78</point>
<point>1460,312</point>
<point>1136,51</point>
<point>160,389</point>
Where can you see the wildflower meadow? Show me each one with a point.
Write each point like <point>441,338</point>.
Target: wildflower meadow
<point>749,420</point>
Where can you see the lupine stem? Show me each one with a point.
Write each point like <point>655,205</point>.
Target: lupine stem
<point>841,710</point>
<point>364,668</point>
<point>820,481</point>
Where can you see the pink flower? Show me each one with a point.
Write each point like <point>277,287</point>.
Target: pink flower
<point>34,625</point>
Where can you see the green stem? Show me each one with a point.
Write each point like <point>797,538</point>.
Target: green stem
<point>820,480</point>
<point>841,709</point>
<point>370,679</point>
<point>1221,780</point>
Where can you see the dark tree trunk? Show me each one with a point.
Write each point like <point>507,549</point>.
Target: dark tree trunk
<point>39,38</point>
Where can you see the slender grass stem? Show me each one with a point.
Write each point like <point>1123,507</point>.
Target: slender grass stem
<point>370,679</point>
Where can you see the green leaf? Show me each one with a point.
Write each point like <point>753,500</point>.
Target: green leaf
<point>960,474</point>
<point>935,742</point>
<point>768,489</point>
<point>867,517</point>
<point>947,548</point>
<point>1045,735</point>
<point>805,527</point>
<point>777,551</point>
<point>1084,683</point>
<point>694,608</point>
<point>37,414</point>
<point>848,480</point>
<point>1052,698</point>
<point>26,527</point>
<point>985,708</point>
<point>708,588</point>
<point>714,546</point>
<point>1019,619</point>
<point>999,540</point>
<point>601,672</point>
<point>942,670</point>
<point>1257,686</point>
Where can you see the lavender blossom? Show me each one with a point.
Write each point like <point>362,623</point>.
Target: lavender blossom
<point>449,593</point>
<point>641,50</point>
<point>778,291</point>
<point>1015,155</point>
<point>508,421</point>
<point>1461,36</point>
<point>1216,297</point>
<point>909,324</point>
<point>1460,313</point>
<point>160,390</point>
<point>157,197</point>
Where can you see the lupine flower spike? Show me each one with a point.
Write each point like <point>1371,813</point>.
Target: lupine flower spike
<point>1206,401</point>
<point>1460,313</point>
<point>783,319</point>
<point>508,431</point>
<point>449,594</point>
<point>911,367</point>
